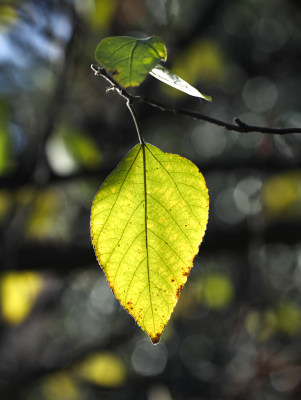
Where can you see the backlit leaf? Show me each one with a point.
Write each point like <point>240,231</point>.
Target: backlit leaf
<point>171,79</point>
<point>147,222</point>
<point>130,59</point>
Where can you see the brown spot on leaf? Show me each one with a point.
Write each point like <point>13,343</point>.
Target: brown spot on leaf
<point>186,273</point>
<point>172,280</point>
<point>156,338</point>
<point>179,291</point>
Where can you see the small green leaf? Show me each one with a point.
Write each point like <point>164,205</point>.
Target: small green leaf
<point>147,222</point>
<point>130,59</point>
<point>168,77</point>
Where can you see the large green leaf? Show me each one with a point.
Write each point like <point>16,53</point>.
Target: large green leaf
<point>147,222</point>
<point>130,59</point>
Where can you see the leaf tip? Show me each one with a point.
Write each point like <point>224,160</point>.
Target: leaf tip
<point>206,97</point>
<point>155,339</point>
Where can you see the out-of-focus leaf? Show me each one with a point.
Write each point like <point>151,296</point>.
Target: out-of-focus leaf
<point>8,15</point>
<point>98,14</point>
<point>217,290</point>
<point>5,203</point>
<point>201,62</point>
<point>147,222</point>
<point>171,79</point>
<point>4,152</point>
<point>43,221</point>
<point>130,59</point>
<point>102,13</point>
<point>5,144</point>
<point>69,149</point>
<point>18,294</point>
<point>285,317</point>
<point>60,386</point>
<point>289,317</point>
<point>281,195</point>
<point>261,325</point>
<point>83,149</point>
<point>104,369</point>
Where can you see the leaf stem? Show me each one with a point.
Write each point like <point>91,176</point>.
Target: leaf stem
<point>133,113</point>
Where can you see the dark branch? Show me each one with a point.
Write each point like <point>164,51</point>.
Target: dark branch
<point>238,125</point>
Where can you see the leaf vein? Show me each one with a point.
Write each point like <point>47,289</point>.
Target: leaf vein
<point>97,240</point>
<point>175,221</point>
<point>197,220</point>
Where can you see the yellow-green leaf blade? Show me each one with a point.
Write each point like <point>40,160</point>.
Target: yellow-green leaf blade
<point>147,222</point>
<point>130,59</point>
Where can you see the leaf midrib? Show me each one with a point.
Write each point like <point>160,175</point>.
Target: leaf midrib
<point>146,229</point>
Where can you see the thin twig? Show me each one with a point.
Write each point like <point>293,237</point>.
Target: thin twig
<point>130,99</point>
<point>238,125</point>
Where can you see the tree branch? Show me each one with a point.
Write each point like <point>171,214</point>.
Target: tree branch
<point>238,125</point>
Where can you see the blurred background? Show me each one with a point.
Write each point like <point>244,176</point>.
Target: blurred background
<point>235,333</point>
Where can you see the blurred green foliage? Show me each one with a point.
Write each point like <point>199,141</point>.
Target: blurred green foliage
<point>217,290</point>
<point>75,149</point>
<point>102,369</point>
<point>6,159</point>
<point>282,195</point>
<point>19,292</point>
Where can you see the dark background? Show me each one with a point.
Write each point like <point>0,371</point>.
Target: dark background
<point>235,333</point>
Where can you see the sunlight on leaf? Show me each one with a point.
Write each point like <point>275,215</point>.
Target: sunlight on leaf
<point>171,79</point>
<point>130,59</point>
<point>18,294</point>
<point>147,222</point>
<point>102,369</point>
